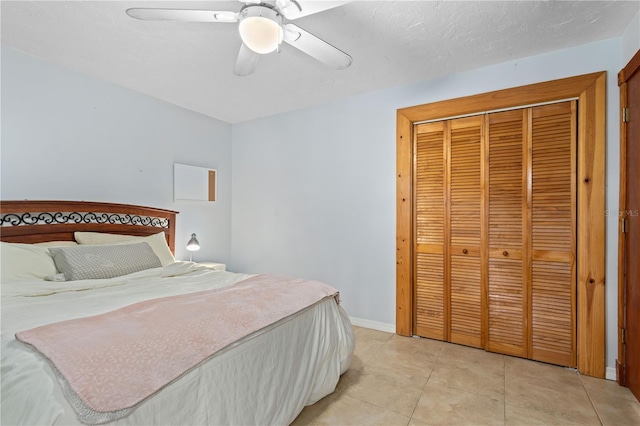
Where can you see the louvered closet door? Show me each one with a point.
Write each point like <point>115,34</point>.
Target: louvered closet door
<point>507,264</point>
<point>448,223</point>
<point>495,232</point>
<point>553,218</point>
<point>429,315</point>
<point>465,225</point>
<point>531,215</point>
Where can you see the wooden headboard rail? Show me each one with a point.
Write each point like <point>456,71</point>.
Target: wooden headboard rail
<point>28,221</point>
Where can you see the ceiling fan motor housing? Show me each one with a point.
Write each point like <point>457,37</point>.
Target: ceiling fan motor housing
<point>260,28</point>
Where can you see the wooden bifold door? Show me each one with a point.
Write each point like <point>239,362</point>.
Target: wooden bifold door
<point>495,231</point>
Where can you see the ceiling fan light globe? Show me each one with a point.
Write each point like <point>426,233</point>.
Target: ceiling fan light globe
<point>260,28</point>
<point>260,34</point>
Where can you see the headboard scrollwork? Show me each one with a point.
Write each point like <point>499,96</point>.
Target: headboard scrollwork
<point>28,221</point>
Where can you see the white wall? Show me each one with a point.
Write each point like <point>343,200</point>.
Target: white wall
<point>314,190</point>
<point>69,136</point>
<point>631,39</point>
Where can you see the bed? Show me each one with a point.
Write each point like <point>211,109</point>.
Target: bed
<point>229,348</point>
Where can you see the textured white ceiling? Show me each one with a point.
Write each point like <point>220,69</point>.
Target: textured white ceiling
<point>391,42</point>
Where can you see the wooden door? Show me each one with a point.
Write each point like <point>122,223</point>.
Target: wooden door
<point>448,231</point>
<point>531,219</point>
<point>430,163</point>
<point>464,207</point>
<point>552,198</point>
<point>629,247</point>
<point>507,207</point>
<point>495,243</point>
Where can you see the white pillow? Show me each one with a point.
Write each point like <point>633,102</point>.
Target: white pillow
<point>90,262</point>
<point>25,261</point>
<point>57,244</point>
<point>158,242</point>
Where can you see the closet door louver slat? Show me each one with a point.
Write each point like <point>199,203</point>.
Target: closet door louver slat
<point>507,290</point>
<point>429,296</point>
<point>430,184</point>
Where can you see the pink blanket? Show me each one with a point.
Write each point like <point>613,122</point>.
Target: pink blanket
<point>116,360</point>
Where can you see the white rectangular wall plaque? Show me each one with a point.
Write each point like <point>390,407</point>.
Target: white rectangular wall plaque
<point>193,183</point>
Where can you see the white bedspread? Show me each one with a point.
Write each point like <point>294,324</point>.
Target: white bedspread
<point>267,379</point>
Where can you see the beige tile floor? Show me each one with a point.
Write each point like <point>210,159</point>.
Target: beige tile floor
<point>396,380</point>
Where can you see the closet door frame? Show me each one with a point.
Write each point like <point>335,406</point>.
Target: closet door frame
<point>590,90</point>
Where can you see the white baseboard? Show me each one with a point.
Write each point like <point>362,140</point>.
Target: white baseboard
<point>611,373</point>
<point>375,325</point>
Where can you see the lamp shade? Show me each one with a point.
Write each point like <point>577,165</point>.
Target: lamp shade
<point>260,29</point>
<point>193,243</point>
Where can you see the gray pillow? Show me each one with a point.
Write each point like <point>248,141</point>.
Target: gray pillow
<point>108,261</point>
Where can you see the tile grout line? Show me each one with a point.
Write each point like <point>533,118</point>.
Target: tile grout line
<point>375,405</point>
<point>427,382</point>
<point>593,405</point>
<point>418,401</point>
<point>504,382</point>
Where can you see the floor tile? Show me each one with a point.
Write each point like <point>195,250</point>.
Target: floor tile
<point>345,410</point>
<point>408,355</point>
<point>603,387</point>
<point>403,380</point>
<point>356,361</point>
<point>365,350</point>
<point>387,388</point>
<point>311,412</point>
<point>345,379</point>
<point>614,404</point>
<point>618,412</point>
<point>452,354</point>
<point>523,415</point>
<point>566,400</point>
<point>422,345</point>
<point>446,406</point>
<point>470,377</point>
<point>366,334</point>
<point>519,367</point>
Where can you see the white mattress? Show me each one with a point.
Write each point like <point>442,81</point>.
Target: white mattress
<point>266,378</point>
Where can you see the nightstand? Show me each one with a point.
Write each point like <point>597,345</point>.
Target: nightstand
<point>214,265</point>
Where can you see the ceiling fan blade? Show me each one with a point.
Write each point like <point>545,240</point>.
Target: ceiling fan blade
<point>294,9</point>
<point>182,15</point>
<point>246,62</point>
<point>290,9</point>
<point>315,47</point>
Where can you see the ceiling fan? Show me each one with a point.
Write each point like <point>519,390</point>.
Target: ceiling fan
<point>261,29</point>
